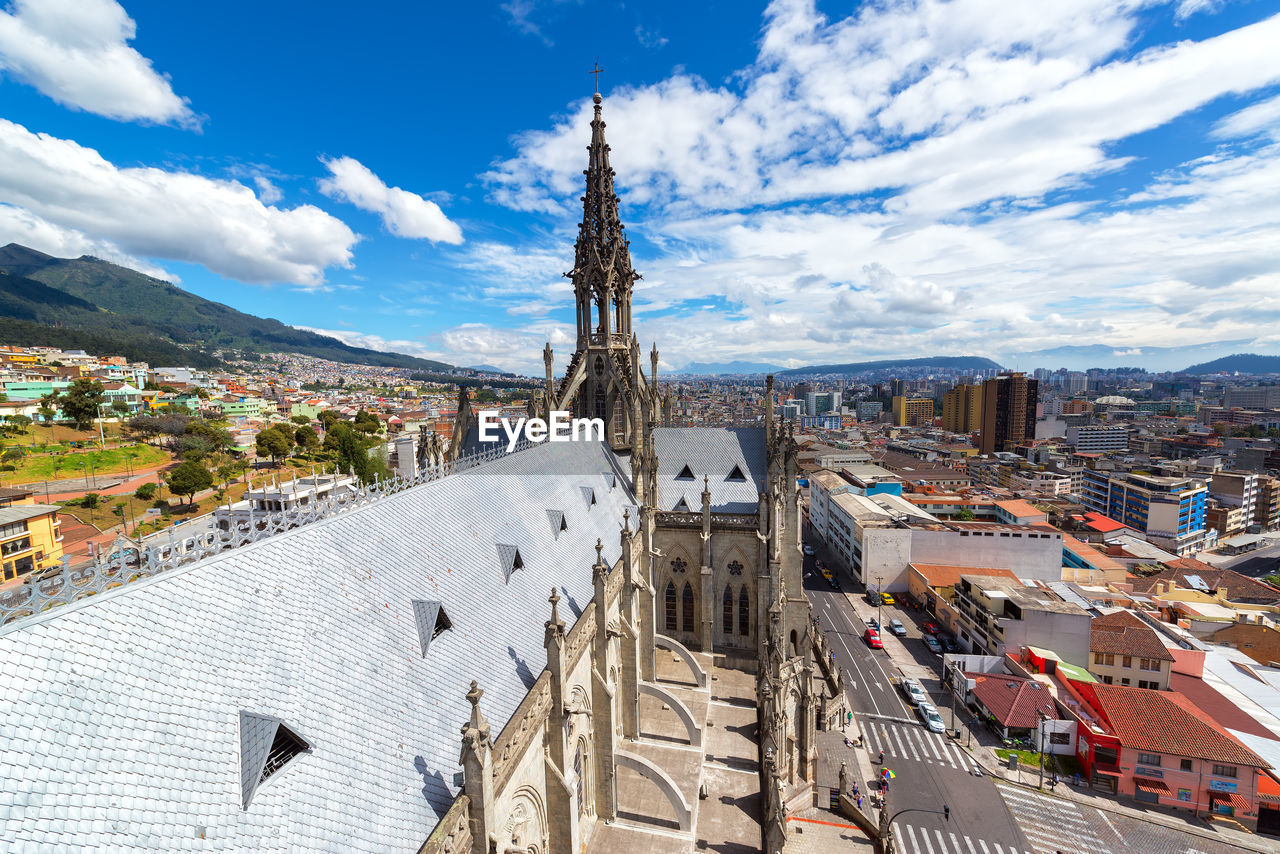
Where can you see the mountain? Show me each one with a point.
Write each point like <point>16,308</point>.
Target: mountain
<point>1082,357</point>
<point>713,368</point>
<point>956,363</point>
<point>82,302</point>
<point>488,369</point>
<point>1245,363</point>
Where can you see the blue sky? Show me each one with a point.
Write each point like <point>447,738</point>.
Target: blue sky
<point>802,183</point>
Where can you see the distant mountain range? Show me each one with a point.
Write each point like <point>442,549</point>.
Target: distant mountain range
<point>102,308</point>
<point>958,363</point>
<point>1245,363</point>
<point>715,368</point>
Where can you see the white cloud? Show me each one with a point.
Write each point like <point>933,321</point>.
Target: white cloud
<point>269,193</point>
<point>27,229</point>
<point>517,350</point>
<point>77,53</point>
<point>404,214</point>
<point>1187,8</point>
<point>175,215</point>
<point>1262,116</point>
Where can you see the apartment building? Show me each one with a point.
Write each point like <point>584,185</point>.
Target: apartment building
<point>1008,412</point>
<point>962,409</point>
<point>1169,510</point>
<point>999,615</point>
<point>1099,438</point>
<point>912,411</point>
<point>30,539</point>
<point>1236,489</point>
<point>1266,511</point>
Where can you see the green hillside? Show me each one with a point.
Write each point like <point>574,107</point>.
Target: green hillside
<point>1244,363</point>
<point>93,298</point>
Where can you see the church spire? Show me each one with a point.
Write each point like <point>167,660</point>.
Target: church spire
<point>602,274</point>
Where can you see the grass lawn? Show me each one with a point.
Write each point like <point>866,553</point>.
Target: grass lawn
<point>181,512</point>
<point>72,464</point>
<point>1025,757</point>
<point>37,435</point>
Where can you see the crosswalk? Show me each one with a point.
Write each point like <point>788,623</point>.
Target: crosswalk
<point>908,741</point>
<point>914,839</point>
<point>1053,824</point>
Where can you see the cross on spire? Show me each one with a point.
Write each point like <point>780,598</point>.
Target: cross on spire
<point>597,70</point>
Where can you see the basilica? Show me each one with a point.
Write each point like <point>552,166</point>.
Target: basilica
<point>576,646</point>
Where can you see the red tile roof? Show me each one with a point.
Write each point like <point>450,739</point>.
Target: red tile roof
<point>1121,633</point>
<point>1013,700</point>
<point>1168,722</point>
<point>945,575</point>
<point>1102,524</point>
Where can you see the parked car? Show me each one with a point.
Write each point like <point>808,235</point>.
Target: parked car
<point>930,717</point>
<point>886,599</point>
<point>914,692</point>
<point>897,628</point>
<point>873,623</point>
<point>934,646</point>
<point>808,549</point>
<point>930,627</point>
<point>949,643</point>
<point>872,637</point>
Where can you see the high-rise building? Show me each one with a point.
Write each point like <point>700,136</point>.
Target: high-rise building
<point>962,409</point>
<point>912,411</point>
<point>801,391</point>
<point>897,388</point>
<point>1008,412</point>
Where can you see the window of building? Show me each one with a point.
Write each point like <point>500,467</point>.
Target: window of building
<point>1224,770</point>
<point>13,529</point>
<point>1184,764</point>
<point>1106,680</point>
<point>1127,661</point>
<point>13,547</point>
<point>727,610</point>
<point>1059,738</point>
<point>686,607</point>
<point>1124,680</point>
<point>744,612</point>
<point>1107,659</point>
<point>669,601</point>
<point>1146,683</point>
<point>1152,759</point>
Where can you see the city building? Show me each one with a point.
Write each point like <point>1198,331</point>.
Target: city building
<point>1008,412</point>
<point>912,411</point>
<point>1170,511</point>
<point>1239,490</point>
<point>962,409</point>
<point>1098,438</point>
<point>869,410</point>
<point>1124,650</point>
<point>30,538</point>
<point>997,615</point>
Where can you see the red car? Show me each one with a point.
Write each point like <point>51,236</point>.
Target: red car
<point>931,628</point>
<point>872,637</point>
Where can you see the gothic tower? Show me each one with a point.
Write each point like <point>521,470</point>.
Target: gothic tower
<point>604,379</point>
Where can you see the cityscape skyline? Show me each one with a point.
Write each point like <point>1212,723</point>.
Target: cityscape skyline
<point>1093,177</point>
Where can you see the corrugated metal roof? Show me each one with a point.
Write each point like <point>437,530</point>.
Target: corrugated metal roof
<point>122,711</point>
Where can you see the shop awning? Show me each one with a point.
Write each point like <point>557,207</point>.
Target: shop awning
<point>1148,785</point>
<point>1236,799</point>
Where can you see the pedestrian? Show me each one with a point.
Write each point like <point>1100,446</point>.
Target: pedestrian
<point>859,801</point>
<point>1075,780</point>
<point>880,761</point>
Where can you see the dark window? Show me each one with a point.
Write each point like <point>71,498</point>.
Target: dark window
<point>728,611</point>
<point>1152,759</point>
<point>686,606</point>
<point>1224,770</point>
<point>1184,764</point>
<point>744,613</point>
<point>669,601</point>
<point>284,747</point>
<point>685,474</point>
<point>736,474</point>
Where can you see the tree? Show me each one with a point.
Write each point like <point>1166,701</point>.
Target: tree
<point>120,408</point>
<point>81,400</point>
<point>965,515</point>
<point>189,478</point>
<point>145,492</point>
<point>306,438</point>
<point>217,438</point>
<point>300,420</point>
<point>91,500</point>
<point>275,442</point>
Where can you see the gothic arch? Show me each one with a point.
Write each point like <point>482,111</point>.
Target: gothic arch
<point>681,710</point>
<point>670,620</point>
<point>584,779</point>
<point>688,609</point>
<point>744,612</point>
<point>525,828</point>
<point>660,778</point>
<point>726,611</point>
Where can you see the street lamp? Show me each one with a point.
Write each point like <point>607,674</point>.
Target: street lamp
<point>879,599</point>
<point>1043,717</point>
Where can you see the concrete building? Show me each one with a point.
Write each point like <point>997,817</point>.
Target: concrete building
<point>1124,650</point>
<point>962,409</point>
<point>1098,437</point>
<point>998,616</point>
<point>912,411</point>
<point>1170,511</point>
<point>30,539</point>
<point>1008,412</point>
<point>869,410</point>
<point>1239,490</point>
<point>1252,397</point>
<point>1266,512</point>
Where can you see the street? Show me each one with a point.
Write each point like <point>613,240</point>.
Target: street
<point>931,771</point>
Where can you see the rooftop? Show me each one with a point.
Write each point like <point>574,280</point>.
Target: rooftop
<point>1121,633</point>
<point>1015,701</point>
<point>25,512</point>
<point>945,575</point>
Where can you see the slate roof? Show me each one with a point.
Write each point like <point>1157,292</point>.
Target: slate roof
<point>1013,700</point>
<point>120,718</point>
<point>1168,722</point>
<point>1121,633</point>
<point>712,452</point>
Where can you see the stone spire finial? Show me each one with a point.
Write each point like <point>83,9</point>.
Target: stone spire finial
<point>626,520</point>
<point>554,599</point>
<point>599,551</point>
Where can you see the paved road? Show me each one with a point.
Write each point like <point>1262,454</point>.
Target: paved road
<point>931,770</point>
<point>1257,563</point>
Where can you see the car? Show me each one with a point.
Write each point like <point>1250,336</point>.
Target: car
<point>873,623</point>
<point>934,646</point>
<point>930,627</point>
<point>914,692</point>
<point>949,644</point>
<point>886,599</point>
<point>820,565</point>
<point>931,719</point>
<point>897,628</point>
<point>872,637</point>
<point>808,549</point>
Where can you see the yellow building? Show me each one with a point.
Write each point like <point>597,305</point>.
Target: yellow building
<point>30,539</point>
<point>912,411</point>
<point>962,409</point>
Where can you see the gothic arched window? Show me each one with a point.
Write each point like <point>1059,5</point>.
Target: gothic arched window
<point>687,606</point>
<point>728,610</point>
<point>579,771</point>
<point>744,613</point>
<point>669,598</point>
